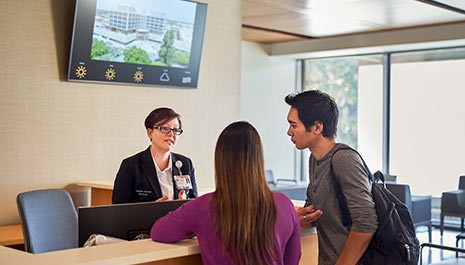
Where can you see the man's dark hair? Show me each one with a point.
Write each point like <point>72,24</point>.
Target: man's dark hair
<point>314,105</point>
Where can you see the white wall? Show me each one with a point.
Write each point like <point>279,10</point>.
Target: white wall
<point>55,133</point>
<point>265,83</point>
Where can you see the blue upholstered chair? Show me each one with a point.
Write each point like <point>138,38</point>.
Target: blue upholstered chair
<point>453,203</point>
<point>48,219</point>
<point>418,206</point>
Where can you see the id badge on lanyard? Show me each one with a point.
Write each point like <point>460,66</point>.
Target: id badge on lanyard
<point>183,182</point>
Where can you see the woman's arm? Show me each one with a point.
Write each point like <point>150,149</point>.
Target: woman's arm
<point>175,225</point>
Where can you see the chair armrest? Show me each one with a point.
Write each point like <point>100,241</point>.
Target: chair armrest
<point>286,180</point>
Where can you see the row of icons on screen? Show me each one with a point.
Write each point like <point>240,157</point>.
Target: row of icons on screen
<point>138,76</point>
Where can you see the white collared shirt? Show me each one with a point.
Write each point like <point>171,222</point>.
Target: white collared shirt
<point>165,178</point>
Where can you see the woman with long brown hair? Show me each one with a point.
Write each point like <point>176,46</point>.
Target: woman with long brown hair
<point>242,222</point>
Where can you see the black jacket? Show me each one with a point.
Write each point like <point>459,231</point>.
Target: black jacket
<point>136,180</point>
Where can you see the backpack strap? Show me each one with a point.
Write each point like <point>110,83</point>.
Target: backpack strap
<point>345,215</point>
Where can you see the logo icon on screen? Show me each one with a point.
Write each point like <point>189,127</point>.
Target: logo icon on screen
<point>186,79</point>
<point>138,76</point>
<point>81,71</point>
<point>165,77</point>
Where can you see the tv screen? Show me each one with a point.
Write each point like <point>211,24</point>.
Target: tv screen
<point>147,42</point>
<point>126,221</point>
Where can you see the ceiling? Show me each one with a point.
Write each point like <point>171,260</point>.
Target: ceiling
<point>273,21</point>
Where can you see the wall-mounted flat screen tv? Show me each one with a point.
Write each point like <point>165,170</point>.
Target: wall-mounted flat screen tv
<point>147,42</point>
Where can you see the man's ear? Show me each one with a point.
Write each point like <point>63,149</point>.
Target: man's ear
<point>318,127</point>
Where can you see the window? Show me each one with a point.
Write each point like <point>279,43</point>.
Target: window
<point>356,85</point>
<point>426,128</point>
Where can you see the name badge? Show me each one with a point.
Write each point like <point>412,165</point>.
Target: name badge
<point>183,182</point>
<point>143,192</point>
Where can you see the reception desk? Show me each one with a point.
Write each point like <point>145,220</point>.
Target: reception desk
<point>100,191</point>
<point>11,235</point>
<point>137,252</point>
<point>131,252</point>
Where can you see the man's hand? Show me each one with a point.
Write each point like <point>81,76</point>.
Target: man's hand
<point>308,215</point>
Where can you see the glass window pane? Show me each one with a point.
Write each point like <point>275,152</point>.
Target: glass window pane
<point>427,127</point>
<point>356,85</point>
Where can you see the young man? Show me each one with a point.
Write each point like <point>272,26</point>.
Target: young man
<point>313,118</point>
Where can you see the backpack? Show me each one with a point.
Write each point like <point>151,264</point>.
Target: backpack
<point>395,241</point>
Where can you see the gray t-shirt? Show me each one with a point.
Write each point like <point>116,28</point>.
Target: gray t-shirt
<point>349,170</point>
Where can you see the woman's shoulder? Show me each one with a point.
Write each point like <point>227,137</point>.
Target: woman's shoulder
<point>138,156</point>
<point>200,203</point>
<point>181,157</point>
<point>285,208</point>
<point>281,199</point>
<point>203,199</point>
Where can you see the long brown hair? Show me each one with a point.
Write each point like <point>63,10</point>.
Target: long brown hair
<point>245,213</point>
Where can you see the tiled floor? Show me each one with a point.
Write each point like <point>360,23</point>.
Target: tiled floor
<point>432,256</point>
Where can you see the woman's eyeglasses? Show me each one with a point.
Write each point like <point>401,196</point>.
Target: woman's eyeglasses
<point>167,130</point>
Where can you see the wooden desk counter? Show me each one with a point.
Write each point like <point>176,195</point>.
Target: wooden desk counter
<point>100,191</point>
<point>135,252</point>
<point>132,252</point>
<point>11,235</point>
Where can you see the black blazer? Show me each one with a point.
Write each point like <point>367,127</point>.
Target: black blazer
<point>136,179</point>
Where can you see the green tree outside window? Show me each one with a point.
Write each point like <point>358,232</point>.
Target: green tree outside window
<point>339,78</point>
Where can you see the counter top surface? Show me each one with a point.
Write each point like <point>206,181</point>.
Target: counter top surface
<point>131,252</point>
<point>106,185</point>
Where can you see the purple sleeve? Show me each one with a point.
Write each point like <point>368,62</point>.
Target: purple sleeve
<point>176,225</point>
<point>293,247</point>
<point>292,253</point>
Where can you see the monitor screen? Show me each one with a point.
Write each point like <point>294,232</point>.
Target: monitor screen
<point>125,221</point>
<point>147,42</point>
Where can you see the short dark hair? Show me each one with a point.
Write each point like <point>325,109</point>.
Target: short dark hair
<point>315,105</point>
<point>161,115</point>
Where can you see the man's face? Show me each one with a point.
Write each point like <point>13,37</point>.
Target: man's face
<point>299,136</point>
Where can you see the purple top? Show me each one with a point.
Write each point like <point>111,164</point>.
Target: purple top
<point>195,218</point>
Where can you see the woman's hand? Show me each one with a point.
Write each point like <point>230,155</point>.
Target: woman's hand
<point>182,195</point>
<point>163,198</point>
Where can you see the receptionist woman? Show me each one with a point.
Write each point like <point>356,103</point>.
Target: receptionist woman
<point>150,175</point>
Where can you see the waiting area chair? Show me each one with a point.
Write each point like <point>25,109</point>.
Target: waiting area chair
<point>48,219</point>
<point>453,203</point>
<point>418,206</point>
<point>273,182</point>
<point>292,190</point>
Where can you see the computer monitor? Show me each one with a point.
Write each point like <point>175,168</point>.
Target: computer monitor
<point>125,221</point>
<point>138,42</point>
